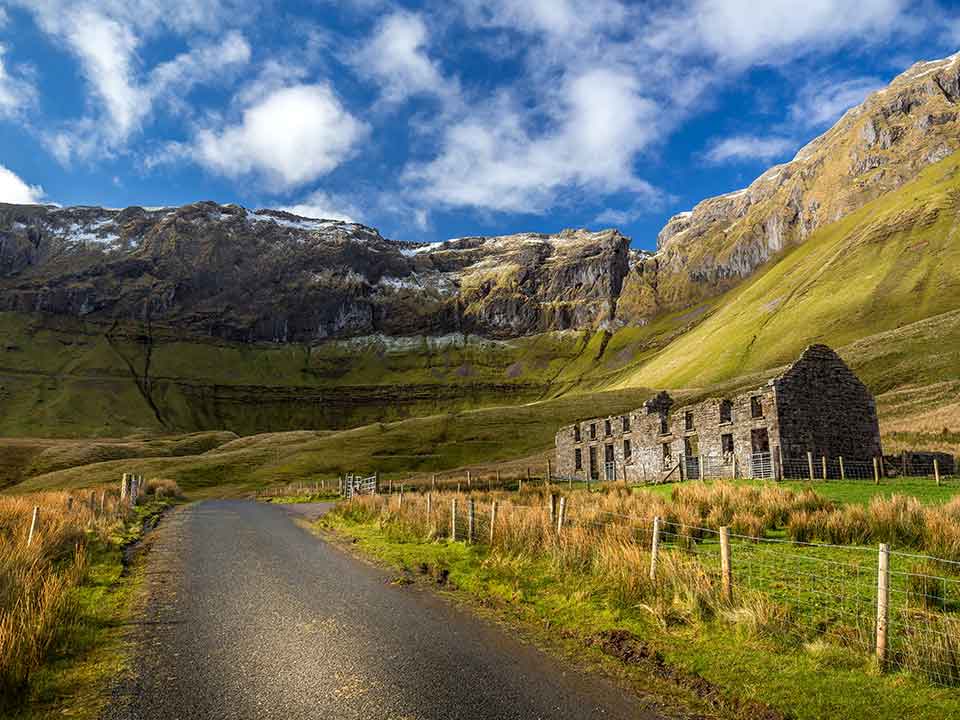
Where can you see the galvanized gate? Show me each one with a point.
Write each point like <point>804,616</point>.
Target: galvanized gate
<point>358,485</point>
<point>761,465</point>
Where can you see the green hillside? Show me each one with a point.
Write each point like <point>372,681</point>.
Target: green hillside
<point>881,285</point>
<point>894,262</point>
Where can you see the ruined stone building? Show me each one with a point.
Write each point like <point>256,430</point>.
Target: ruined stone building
<point>817,406</point>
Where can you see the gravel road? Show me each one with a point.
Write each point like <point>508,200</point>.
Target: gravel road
<point>251,616</point>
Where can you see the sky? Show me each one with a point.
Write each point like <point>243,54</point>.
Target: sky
<point>436,119</point>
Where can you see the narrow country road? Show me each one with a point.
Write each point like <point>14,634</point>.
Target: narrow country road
<point>251,616</point>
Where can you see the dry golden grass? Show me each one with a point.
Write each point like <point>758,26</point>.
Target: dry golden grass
<point>37,605</point>
<point>607,540</point>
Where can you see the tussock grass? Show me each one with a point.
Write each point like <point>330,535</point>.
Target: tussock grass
<point>606,543</point>
<point>39,605</point>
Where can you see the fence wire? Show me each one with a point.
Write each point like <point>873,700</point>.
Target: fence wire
<point>815,591</point>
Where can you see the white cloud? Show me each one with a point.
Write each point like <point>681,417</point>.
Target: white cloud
<point>745,32</point>
<point>820,104</point>
<point>749,147</point>
<point>201,64</point>
<point>107,49</point>
<point>106,37</point>
<point>560,19</point>
<point>15,93</point>
<point>396,56</point>
<point>615,217</point>
<point>4,18</point>
<point>292,136</point>
<point>323,206</point>
<point>15,191</point>
<point>496,161</point>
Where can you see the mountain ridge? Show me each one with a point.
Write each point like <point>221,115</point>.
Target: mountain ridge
<point>212,316</point>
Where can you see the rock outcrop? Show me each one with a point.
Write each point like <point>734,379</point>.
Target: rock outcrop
<point>234,274</point>
<point>874,148</point>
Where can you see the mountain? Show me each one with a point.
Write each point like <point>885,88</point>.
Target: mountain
<point>217,317</point>
<point>233,274</point>
<point>876,147</point>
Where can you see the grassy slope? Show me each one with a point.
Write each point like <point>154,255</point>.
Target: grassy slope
<point>65,378</point>
<point>25,457</point>
<point>894,262</point>
<point>396,449</point>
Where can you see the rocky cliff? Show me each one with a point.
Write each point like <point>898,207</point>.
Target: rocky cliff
<point>234,274</point>
<point>231,273</point>
<point>873,149</point>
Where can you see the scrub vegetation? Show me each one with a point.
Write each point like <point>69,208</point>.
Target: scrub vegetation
<point>783,645</point>
<point>61,595</point>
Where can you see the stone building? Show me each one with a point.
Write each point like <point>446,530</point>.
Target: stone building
<point>817,410</point>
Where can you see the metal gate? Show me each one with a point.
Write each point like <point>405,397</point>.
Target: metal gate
<point>761,465</point>
<point>610,471</point>
<point>691,466</point>
<point>357,485</point>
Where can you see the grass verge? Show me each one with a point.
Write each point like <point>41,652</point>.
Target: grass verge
<point>71,613</point>
<point>722,663</point>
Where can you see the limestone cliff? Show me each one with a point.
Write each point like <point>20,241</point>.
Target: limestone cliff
<point>874,148</point>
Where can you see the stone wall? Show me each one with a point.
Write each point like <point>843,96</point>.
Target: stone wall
<point>818,405</point>
<point>649,460</point>
<point>825,409</point>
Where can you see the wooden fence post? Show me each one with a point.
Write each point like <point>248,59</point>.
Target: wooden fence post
<point>553,508</point>
<point>843,472</point>
<point>876,472</point>
<point>103,501</point>
<point>562,510</point>
<point>429,504</point>
<point>823,463</point>
<point>453,519</point>
<point>883,604</point>
<point>779,455</point>
<point>936,471</point>
<point>810,463</point>
<point>34,525</point>
<point>493,520</point>
<point>471,520</point>
<point>725,567</point>
<point>498,478</point>
<point>520,484</point>
<point>123,488</point>
<point>655,548</point>
<point>400,498</point>
<point>433,482</point>
<point>549,474</point>
<point>469,480</point>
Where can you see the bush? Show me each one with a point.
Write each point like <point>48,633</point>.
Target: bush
<point>163,488</point>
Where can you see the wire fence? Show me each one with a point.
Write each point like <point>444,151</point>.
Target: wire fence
<point>903,608</point>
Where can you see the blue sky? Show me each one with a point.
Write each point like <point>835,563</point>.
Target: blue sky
<point>437,119</point>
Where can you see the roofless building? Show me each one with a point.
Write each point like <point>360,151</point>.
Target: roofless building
<point>818,410</point>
